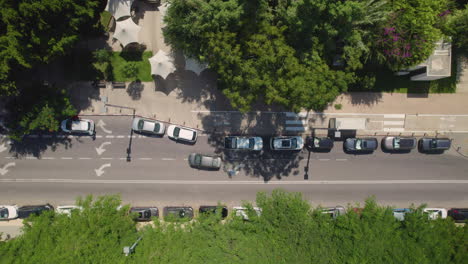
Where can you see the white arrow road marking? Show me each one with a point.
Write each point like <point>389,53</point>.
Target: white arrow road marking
<point>102,124</point>
<point>3,147</point>
<point>4,170</point>
<point>101,149</point>
<point>100,171</point>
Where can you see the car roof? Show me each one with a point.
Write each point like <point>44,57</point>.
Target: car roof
<point>325,142</point>
<point>79,125</point>
<point>407,142</point>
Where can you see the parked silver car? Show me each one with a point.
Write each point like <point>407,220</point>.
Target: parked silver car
<point>287,143</point>
<point>201,161</point>
<point>82,126</point>
<point>180,133</point>
<point>334,212</point>
<point>148,126</point>
<point>243,143</point>
<point>399,143</point>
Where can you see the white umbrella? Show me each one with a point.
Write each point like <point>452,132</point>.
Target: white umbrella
<point>161,64</point>
<point>194,65</point>
<point>126,31</point>
<point>119,8</point>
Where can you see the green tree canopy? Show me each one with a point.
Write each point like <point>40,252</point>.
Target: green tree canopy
<point>280,52</point>
<point>36,31</point>
<point>288,230</point>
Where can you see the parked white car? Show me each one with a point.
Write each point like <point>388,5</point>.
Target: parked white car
<point>435,213</point>
<point>182,133</point>
<point>242,212</point>
<point>287,143</point>
<point>243,143</point>
<point>8,212</point>
<point>67,209</point>
<point>82,126</point>
<point>148,126</point>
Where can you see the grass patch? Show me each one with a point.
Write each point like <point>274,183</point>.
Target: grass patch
<point>120,59</point>
<point>105,19</point>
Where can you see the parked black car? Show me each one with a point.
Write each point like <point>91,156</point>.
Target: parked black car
<point>26,211</point>
<point>176,213</point>
<point>460,215</point>
<point>434,144</point>
<point>324,144</point>
<point>211,209</point>
<point>145,213</point>
<point>364,145</point>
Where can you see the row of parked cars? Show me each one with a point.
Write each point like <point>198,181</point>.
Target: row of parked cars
<point>254,143</point>
<point>11,212</point>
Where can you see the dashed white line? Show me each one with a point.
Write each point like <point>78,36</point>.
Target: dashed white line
<point>47,158</point>
<point>120,136</point>
<point>168,159</point>
<point>98,136</point>
<point>109,136</point>
<point>66,158</point>
<point>30,158</point>
<point>106,158</point>
<point>185,159</point>
<point>10,158</point>
<point>84,158</point>
<point>145,158</point>
<point>341,159</point>
<point>324,159</point>
<point>232,182</point>
<point>122,158</point>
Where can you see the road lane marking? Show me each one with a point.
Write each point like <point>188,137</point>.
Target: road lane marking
<point>30,158</point>
<point>120,136</point>
<point>106,158</point>
<point>10,158</point>
<point>185,159</point>
<point>341,159</point>
<point>101,149</point>
<point>101,171</point>
<point>324,159</point>
<point>144,158</point>
<point>84,158</point>
<point>122,158</point>
<point>233,182</point>
<point>401,116</point>
<point>109,136</point>
<point>66,158</point>
<point>98,136</point>
<point>48,158</point>
<point>5,170</point>
<point>168,159</point>
<point>102,125</point>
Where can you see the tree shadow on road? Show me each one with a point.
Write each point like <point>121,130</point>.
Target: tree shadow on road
<point>35,146</point>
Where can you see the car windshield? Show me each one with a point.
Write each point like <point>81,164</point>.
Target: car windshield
<point>358,144</point>
<point>198,159</point>
<point>3,213</point>
<point>140,124</point>
<point>68,125</point>
<point>157,126</point>
<point>231,143</point>
<point>396,142</point>
<point>176,132</point>
<point>294,143</point>
<point>434,143</point>
<point>251,143</point>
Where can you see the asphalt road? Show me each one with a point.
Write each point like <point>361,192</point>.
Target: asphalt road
<point>151,170</point>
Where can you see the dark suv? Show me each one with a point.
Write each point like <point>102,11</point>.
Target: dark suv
<point>145,213</point>
<point>211,209</point>
<point>460,215</point>
<point>434,144</point>
<point>26,211</point>
<point>178,214</point>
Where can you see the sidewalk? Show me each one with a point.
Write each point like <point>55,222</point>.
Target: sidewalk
<point>191,100</point>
